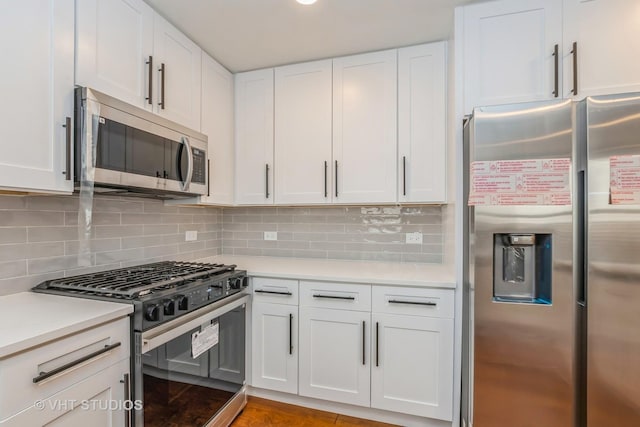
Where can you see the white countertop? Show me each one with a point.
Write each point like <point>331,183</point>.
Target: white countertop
<point>28,319</point>
<point>379,273</point>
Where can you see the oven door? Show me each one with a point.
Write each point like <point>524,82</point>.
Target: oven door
<point>191,371</point>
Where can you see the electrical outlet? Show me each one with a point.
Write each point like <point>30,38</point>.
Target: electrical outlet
<point>414,238</point>
<point>190,236</point>
<point>270,235</point>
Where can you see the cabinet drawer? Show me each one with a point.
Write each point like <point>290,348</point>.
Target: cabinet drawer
<point>18,390</point>
<point>341,296</point>
<point>413,301</point>
<point>276,291</point>
<point>89,402</point>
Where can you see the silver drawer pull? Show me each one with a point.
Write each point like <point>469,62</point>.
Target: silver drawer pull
<point>45,375</point>
<point>260,291</point>
<point>429,303</point>
<point>333,297</point>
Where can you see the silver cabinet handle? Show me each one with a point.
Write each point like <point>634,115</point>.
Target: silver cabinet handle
<point>290,333</point>
<point>44,375</point>
<point>187,181</point>
<point>163,72</point>
<point>363,344</point>
<point>266,180</point>
<point>149,98</point>
<point>429,303</point>
<point>261,291</point>
<point>208,177</point>
<point>377,341</point>
<point>333,297</point>
<point>555,70</point>
<point>67,126</point>
<point>326,194</point>
<point>574,52</point>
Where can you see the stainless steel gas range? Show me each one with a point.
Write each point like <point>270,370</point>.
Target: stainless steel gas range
<point>188,332</point>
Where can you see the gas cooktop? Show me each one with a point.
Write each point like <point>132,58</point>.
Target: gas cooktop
<point>160,291</point>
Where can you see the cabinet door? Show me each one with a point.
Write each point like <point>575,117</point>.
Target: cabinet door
<point>96,401</point>
<point>508,51</point>
<point>114,40</point>
<point>217,124</point>
<point>364,128</point>
<point>37,95</point>
<point>179,82</point>
<point>334,355</point>
<point>607,34</point>
<point>422,122</point>
<point>274,347</point>
<point>254,137</point>
<point>303,133</point>
<point>413,370</point>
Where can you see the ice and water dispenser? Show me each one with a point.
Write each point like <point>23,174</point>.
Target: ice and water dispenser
<point>522,268</point>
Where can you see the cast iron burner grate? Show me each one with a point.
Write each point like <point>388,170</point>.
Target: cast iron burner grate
<point>133,282</point>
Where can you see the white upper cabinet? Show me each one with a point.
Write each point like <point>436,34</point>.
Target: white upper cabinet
<point>365,128</point>
<point>303,133</point>
<point>126,50</point>
<point>607,34</point>
<point>422,123</point>
<point>217,124</point>
<point>254,137</point>
<point>178,62</point>
<point>114,44</point>
<point>509,50</point>
<point>36,129</point>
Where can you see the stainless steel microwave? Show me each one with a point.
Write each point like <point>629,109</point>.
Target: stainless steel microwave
<point>126,150</point>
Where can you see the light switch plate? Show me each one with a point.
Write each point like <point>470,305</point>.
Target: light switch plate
<point>270,235</point>
<point>414,238</point>
<point>190,236</point>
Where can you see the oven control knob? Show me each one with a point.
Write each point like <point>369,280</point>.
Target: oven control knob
<point>235,283</point>
<point>183,302</point>
<point>169,307</point>
<point>152,312</point>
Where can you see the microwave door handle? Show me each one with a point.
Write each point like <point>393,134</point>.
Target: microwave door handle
<point>187,180</point>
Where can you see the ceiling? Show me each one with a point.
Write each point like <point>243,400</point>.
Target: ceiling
<point>250,34</point>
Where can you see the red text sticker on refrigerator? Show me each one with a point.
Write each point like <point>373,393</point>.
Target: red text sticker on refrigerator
<point>624,172</point>
<point>520,182</point>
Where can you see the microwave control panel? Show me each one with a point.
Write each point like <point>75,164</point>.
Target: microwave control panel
<point>199,166</point>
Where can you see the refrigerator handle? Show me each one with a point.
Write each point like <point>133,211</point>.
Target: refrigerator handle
<point>582,239</point>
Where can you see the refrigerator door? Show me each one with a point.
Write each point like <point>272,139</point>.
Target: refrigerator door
<point>613,278</point>
<point>523,329</point>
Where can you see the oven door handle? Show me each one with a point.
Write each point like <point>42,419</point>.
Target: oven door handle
<point>168,331</point>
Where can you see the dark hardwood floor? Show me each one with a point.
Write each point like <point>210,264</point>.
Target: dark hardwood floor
<point>268,413</point>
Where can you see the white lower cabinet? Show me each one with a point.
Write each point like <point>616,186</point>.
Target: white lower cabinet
<point>413,368</point>
<point>384,347</point>
<point>274,347</point>
<point>334,355</point>
<point>97,401</point>
<point>54,384</point>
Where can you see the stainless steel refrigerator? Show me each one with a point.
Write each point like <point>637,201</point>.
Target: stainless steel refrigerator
<point>552,287</point>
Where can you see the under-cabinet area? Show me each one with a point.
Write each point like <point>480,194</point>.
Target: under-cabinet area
<point>383,347</point>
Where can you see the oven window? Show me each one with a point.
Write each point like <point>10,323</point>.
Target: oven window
<point>180,390</point>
